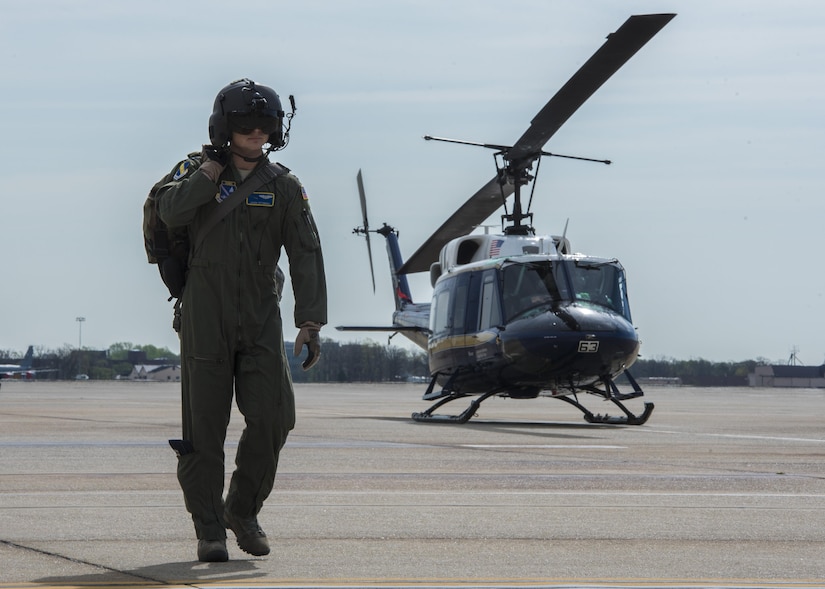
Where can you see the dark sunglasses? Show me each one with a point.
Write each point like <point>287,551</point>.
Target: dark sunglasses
<point>245,123</point>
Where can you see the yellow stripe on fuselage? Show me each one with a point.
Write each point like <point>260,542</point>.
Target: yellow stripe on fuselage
<point>452,342</point>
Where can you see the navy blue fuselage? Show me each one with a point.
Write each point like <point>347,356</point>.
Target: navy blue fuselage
<point>527,325</point>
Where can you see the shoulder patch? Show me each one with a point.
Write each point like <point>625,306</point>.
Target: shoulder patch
<point>304,194</point>
<point>183,169</point>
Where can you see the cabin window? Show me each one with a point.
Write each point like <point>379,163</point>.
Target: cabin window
<point>459,311</point>
<point>448,314</point>
<point>490,311</point>
<point>440,312</point>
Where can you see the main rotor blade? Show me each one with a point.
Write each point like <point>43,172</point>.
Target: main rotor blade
<point>363,195</point>
<point>613,54</point>
<point>478,207</point>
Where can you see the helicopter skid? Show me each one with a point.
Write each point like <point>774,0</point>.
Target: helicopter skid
<point>463,417</point>
<point>629,418</point>
<point>611,393</point>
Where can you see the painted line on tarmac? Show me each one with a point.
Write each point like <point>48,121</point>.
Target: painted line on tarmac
<point>740,436</point>
<point>545,446</point>
<point>601,494</point>
<point>467,584</point>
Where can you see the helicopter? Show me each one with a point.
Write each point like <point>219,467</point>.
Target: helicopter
<point>516,314</point>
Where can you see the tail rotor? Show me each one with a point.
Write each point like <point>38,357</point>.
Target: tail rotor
<point>365,230</point>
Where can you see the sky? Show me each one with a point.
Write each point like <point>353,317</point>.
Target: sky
<point>714,202</point>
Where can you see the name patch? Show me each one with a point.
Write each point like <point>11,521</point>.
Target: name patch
<point>261,199</point>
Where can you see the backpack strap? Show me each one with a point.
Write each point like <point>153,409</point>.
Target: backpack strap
<point>261,176</point>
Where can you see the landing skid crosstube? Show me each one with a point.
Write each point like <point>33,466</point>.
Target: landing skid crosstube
<point>610,392</point>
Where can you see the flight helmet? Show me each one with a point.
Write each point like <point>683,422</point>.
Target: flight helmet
<point>242,106</point>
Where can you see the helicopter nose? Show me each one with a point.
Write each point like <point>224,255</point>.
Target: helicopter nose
<point>570,342</point>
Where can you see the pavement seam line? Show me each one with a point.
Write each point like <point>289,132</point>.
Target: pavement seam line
<point>80,561</point>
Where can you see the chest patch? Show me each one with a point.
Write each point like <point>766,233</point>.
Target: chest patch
<point>227,188</point>
<point>261,199</point>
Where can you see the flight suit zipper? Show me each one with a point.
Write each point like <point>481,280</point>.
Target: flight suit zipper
<point>240,287</point>
<point>315,242</point>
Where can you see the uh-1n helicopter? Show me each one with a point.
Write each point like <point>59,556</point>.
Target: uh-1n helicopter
<point>520,315</point>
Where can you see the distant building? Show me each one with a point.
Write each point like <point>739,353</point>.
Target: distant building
<point>157,373</point>
<point>806,377</point>
<point>660,380</point>
<point>136,357</point>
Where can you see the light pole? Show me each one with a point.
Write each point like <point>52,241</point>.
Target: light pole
<point>80,321</point>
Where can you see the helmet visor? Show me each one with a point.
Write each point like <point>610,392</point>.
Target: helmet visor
<point>246,122</point>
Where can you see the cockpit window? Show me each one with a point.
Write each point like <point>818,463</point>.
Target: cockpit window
<point>528,286</point>
<point>600,283</point>
<point>536,285</point>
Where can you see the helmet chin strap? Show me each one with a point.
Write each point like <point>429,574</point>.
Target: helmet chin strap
<point>251,160</point>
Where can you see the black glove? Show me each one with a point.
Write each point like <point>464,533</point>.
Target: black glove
<point>213,161</point>
<point>309,336</point>
<point>216,154</point>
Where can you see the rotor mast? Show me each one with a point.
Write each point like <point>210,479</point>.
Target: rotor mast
<point>520,177</point>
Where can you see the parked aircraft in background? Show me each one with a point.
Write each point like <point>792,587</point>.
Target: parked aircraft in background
<point>23,370</point>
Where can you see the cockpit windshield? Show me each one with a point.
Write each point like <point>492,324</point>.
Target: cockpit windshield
<point>530,286</point>
<point>535,285</point>
<point>600,283</point>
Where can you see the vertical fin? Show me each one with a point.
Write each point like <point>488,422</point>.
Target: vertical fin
<point>401,288</point>
<point>27,360</point>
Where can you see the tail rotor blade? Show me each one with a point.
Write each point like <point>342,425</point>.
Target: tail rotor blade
<point>363,196</point>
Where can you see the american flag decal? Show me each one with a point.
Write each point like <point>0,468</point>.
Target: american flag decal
<point>495,247</point>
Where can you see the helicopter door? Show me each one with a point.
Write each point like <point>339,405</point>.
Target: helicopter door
<point>453,318</point>
<point>448,313</point>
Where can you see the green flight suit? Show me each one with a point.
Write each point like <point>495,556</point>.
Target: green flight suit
<point>231,334</point>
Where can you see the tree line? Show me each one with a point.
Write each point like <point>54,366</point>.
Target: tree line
<point>340,362</point>
<point>349,362</point>
<point>68,362</point>
<point>698,372</point>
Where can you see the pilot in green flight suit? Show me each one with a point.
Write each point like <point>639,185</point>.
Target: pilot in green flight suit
<point>231,332</point>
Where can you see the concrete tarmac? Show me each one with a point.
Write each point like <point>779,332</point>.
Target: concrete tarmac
<point>721,488</point>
